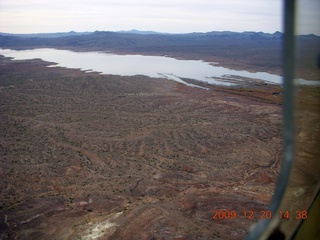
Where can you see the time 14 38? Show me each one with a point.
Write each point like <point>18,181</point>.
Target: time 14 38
<point>263,214</point>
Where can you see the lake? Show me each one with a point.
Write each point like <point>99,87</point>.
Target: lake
<point>152,66</point>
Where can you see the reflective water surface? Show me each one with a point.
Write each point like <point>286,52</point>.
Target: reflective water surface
<point>152,66</point>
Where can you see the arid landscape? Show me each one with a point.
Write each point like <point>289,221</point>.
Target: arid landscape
<point>90,156</point>
<point>80,148</point>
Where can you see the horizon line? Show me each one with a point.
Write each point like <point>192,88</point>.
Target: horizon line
<point>130,30</point>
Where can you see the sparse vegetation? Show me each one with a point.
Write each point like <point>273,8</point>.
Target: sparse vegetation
<point>78,146</point>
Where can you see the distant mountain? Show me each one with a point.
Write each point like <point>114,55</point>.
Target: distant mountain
<point>210,43</point>
<point>134,31</point>
<point>46,35</point>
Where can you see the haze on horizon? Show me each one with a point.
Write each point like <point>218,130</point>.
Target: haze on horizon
<point>170,16</point>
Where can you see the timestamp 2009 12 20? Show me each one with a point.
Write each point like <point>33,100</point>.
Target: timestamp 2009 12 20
<point>261,214</point>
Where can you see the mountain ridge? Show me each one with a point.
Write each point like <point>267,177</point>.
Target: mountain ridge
<point>134,31</point>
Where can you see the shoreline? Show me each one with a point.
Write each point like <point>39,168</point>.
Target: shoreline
<point>217,61</point>
<point>257,91</point>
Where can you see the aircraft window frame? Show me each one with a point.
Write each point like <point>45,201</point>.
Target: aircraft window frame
<point>264,228</point>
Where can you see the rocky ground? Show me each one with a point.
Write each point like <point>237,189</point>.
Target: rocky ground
<point>89,156</point>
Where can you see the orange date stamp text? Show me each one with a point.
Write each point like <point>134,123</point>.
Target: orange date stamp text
<point>221,214</point>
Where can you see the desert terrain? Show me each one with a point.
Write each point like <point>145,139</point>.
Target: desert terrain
<point>89,156</point>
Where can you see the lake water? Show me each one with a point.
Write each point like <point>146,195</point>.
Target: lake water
<point>152,66</point>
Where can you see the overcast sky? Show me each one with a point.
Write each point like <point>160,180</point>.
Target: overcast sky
<point>173,16</point>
